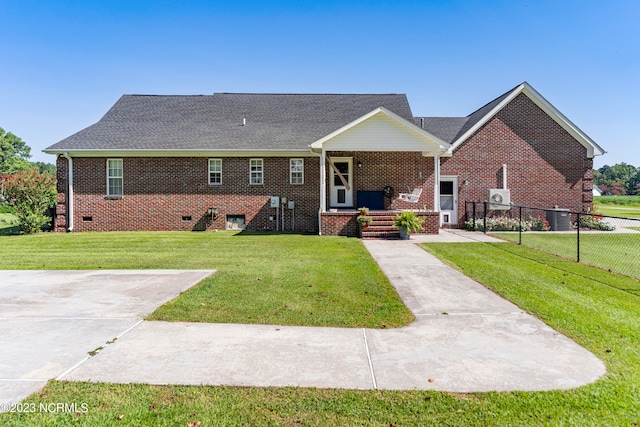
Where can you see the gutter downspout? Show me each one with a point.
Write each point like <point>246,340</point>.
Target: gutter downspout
<point>70,191</point>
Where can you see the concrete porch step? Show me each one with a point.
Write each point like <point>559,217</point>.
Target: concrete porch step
<point>377,227</point>
<point>385,223</point>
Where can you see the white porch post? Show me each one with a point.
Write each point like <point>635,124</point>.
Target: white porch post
<point>436,184</point>
<point>323,188</point>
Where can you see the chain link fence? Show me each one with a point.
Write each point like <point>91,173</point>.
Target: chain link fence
<point>608,242</point>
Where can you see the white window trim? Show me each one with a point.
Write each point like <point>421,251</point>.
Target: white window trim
<point>209,172</point>
<point>291,171</point>
<point>110,177</point>
<point>251,172</point>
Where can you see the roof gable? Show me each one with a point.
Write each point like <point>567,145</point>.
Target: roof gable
<point>481,116</point>
<point>381,130</point>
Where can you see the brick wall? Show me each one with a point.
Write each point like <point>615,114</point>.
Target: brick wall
<point>339,224</point>
<point>401,171</point>
<point>174,194</point>
<point>545,165</point>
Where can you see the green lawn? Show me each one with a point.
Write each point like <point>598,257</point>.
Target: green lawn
<point>624,212</point>
<point>617,200</point>
<point>8,224</point>
<point>621,206</point>
<point>283,279</point>
<point>614,251</point>
<point>599,310</point>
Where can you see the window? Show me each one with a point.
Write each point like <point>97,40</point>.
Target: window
<point>256,172</point>
<point>215,171</point>
<point>296,171</point>
<point>114,177</point>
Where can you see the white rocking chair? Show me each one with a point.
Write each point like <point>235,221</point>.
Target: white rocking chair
<point>411,197</point>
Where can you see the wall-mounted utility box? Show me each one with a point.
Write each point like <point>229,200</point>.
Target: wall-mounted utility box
<point>275,201</point>
<point>499,199</point>
<point>291,204</point>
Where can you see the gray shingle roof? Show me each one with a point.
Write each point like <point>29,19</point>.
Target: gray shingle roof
<point>445,128</point>
<point>214,122</point>
<point>451,128</point>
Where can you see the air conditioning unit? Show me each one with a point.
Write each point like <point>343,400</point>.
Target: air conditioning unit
<point>499,199</point>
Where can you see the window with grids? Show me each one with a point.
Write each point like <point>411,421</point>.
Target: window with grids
<point>215,171</point>
<point>256,174</point>
<point>114,177</point>
<point>296,171</point>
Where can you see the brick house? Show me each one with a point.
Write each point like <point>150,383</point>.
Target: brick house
<point>305,162</point>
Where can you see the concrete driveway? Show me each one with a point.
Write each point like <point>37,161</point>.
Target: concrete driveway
<point>51,320</point>
<point>465,338</point>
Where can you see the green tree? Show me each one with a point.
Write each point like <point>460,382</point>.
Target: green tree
<point>30,194</point>
<point>43,167</point>
<point>14,153</point>
<point>625,175</point>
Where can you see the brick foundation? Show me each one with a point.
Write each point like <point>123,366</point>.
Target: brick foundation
<point>345,223</point>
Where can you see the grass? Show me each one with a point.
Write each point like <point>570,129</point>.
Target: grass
<point>8,224</point>
<point>617,200</point>
<point>611,251</point>
<point>596,308</point>
<point>283,279</point>
<point>624,212</point>
<point>620,206</point>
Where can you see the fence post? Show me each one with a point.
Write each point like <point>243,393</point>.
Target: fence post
<point>466,212</point>
<point>578,237</point>
<point>520,228</point>
<point>474,216</point>
<point>485,218</point>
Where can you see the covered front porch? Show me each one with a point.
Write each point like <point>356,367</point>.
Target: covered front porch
<point>385,163</point>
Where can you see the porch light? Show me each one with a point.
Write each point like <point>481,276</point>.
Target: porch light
<point>359,163</point>
<point>465,182</point>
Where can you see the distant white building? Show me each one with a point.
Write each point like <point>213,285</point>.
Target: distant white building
<point>596,191</point>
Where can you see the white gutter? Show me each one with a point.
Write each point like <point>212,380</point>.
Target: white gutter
<point>70,191</point>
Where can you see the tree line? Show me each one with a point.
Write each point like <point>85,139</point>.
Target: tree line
<point>15,155</point>
<point>619,180</point>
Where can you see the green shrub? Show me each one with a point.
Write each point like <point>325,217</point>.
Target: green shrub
<point>595,222</point>
<point>409,221</point>
<point>504,223</point>
<point>30,194</point>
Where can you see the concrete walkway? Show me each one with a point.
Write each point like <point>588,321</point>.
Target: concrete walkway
<point>465,338</point>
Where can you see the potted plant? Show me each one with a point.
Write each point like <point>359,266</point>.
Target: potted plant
<point>364,221</point>
<point>407,221</point>
<point>363,211</point>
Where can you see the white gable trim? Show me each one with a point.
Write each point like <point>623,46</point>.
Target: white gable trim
<point>593,149</point>
<point>429,142</point>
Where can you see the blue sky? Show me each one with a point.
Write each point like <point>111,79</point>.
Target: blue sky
<point>63,64</point>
